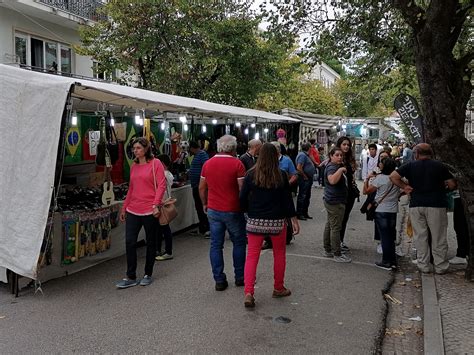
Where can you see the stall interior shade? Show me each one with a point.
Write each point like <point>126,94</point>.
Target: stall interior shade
<point>37,53</point>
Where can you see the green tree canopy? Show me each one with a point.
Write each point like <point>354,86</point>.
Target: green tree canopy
<point>369,96</point>
<point>209,50</point>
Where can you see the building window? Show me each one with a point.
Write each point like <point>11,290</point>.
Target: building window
<point>21,49</point>
<point>100,73</point>
<point>51,56</point>
<point>42,54</point>
<point>65,59</point>
<point>37,53</point>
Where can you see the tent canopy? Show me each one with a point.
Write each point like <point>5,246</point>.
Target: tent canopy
<point>30,126</point>
<point>318,121</point>
<point>129,97</point>
<point>313,120</point>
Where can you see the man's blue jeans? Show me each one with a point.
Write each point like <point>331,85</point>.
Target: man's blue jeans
<point>386,224</point>
<point>234,223</point>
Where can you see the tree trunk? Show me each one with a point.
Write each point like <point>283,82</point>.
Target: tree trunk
<point>445,88</point>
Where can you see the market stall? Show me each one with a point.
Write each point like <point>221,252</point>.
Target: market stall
<point>52,216</point>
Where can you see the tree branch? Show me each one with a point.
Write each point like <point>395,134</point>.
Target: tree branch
<point>460,19</point>
<point>464,61</point>
<point>412,13</point>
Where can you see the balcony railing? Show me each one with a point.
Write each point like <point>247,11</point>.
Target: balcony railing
<point>55,72</point>
<point>86,9</point>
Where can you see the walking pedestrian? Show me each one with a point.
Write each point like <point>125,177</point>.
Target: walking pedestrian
<point>250,157</point>
<point>314,153</point>
<point>322,158</point>
<point>165,231</point>
<point>386,196</point>
<point>382,155</point>
<point>266,197</point>
<point>141,209</point>
<point>427,182</point>
<point>222,177</point>
<point>345,144</point>
<point>200,157</point>
<point>335,198</point>
<point>407,153</point>
<point>369,164</point>
<point>287,166</point>
<point>306,170</point>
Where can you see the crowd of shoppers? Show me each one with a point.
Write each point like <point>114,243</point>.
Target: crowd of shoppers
<point>251,199</point>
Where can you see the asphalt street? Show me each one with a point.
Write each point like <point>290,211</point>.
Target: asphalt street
<point>334,309</point>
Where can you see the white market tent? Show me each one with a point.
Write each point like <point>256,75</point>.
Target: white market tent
<point>312,120</point>
<point>149,100</point>
<point>30,126</point>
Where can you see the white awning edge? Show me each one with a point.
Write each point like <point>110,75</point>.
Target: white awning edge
<point>143,99</point>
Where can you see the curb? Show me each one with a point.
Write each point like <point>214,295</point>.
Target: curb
<point>378,342</point>
<point>433,330</point>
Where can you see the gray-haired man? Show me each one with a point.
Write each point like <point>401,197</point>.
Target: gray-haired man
<point>222,177</point>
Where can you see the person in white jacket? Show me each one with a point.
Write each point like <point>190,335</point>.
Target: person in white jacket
<point>369,164</point>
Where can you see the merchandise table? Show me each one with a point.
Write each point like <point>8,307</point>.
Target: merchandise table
<point>187,217</point>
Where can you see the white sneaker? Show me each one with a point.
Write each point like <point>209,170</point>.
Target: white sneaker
<point>344,247</point>
<point>458,261</point>
<point>379,249</point>
<point>414,261</point>
<point>207,235</point>
<point>164,257</point>
<point>343,258</point>
<point>399,251</point>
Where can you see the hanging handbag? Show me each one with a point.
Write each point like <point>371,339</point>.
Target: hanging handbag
<point>354,191</point>
<point>372,206</point>
<point>168,210</point>
<point>370,198</point>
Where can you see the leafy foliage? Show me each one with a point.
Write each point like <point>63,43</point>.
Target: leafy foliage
<point>296,91</point>
<point>374,36</point>
<point>209,50</point>
<point>373,96</point>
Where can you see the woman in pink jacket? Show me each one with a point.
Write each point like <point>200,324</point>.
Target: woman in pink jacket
<point>141,209</point>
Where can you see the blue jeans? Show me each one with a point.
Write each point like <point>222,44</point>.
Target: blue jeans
<point>304,195</point>
<point>386,224</point>
<point>234,223</point>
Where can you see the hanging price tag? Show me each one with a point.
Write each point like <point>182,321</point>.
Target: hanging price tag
<point>94,137</point>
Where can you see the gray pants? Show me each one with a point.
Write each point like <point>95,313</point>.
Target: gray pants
<point>434,221</point>
<point>402,218</point>
<point>332,231</point>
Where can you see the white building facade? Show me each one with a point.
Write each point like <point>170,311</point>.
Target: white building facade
<point>325,74</point>
<point>40,35</point>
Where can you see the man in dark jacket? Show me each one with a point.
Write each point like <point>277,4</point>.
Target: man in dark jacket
<point>249,158</point>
